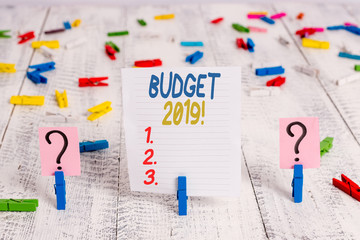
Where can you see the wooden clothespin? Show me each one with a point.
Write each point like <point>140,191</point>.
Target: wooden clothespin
<point>60,190</point>
<point>58,117</point>
<point>27,100</point>
<point>297,183</point>
<point>26,37</point>
<point>3,34</point>
<point>99,110</point>
<point>347,186</point>
<point>18,205</point>
<point>7,68</point>
<point>181,196</point>
<point>92,82</point>
<point>61,98</point>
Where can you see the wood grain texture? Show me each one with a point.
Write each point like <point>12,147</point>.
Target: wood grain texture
<point>99,202</point>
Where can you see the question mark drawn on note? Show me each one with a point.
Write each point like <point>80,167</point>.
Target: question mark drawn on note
<point>304,131</point>
<point>66,143</point>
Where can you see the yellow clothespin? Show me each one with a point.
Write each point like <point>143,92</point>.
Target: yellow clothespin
<point>164,17</point>
<point>61,99</point>
<point>258,13</point>
<point>28,100</point>
<point>306,42</point>
<point>76,23</point>
<point>99,110</point>
<point>49,44</point>
<point>7,67</point>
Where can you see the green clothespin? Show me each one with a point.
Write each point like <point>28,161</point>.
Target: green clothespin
<point>240,28</point>
<point>3,35</point>
<point>113,45</point>
<point>18,205</point>
<point>326,145</point>
<point>357,68</point>
<point>141,22</point>
<point>114,34</point>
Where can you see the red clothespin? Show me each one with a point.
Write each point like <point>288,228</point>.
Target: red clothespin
<point>305,32</point>
<point>92,82</point>
<point>241,44</point>
<point>347,186</point>
<point>217,20</point>
<point>26,37</point>
<point>148,63</point>
<point>110,52</point>
<point>276,82</point>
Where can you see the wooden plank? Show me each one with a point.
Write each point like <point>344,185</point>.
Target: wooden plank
<point>17,19</point>
<point>332,67</point>
<point>92,198</point>
<point>325,212</point>
<point>155,216</point>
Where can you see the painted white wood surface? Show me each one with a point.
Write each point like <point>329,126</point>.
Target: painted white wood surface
<point>100,204</point>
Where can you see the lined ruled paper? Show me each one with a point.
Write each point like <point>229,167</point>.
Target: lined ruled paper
<point>207,152</point>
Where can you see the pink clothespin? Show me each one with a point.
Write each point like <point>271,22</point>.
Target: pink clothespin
<point>279,15</point>
<point>350,24</point>
<point>257,29</point>
<point>254,16</point>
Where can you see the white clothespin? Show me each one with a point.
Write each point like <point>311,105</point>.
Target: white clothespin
<point>348,79</point>
<point>47,52</point>
<point>58,117</point>
<point>75,43</point>
<point>264,91</point>
<point>310,71</point>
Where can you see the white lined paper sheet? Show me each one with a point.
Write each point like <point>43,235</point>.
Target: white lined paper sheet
<point>208,152</point>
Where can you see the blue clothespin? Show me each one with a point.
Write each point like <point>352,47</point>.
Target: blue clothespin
<point>44,67</point>
<point>181,196</point>
<point>250,44</point>
<point>269,71</point>
<point>67,25</point>
<point>193,58</point>
<point>192,44</point>
<point>338,27</point>
<point>353,29</point>
<point>348,55</point>
<point>268,20</point>
<point>297,183</point>
<point>36,77</point>
<point>60,190</point>
<point>93,146</point>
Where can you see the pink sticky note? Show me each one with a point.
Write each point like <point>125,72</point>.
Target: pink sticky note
<point>308,147</point>
<point>52,142</point>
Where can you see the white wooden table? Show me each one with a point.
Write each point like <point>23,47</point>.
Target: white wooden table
<point>100,204</point>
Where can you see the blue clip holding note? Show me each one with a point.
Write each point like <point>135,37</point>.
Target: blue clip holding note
<point>181,196</point>
<point>192,44</point>
<point>93,146</point>
<point>297,183</point>
<point>269,71</point>
<point>67,25</point>
<point>44,67</point>
<point>193,58</point>
<point>250,44</point>
<point>268,20</point>
<point>60,190</point>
